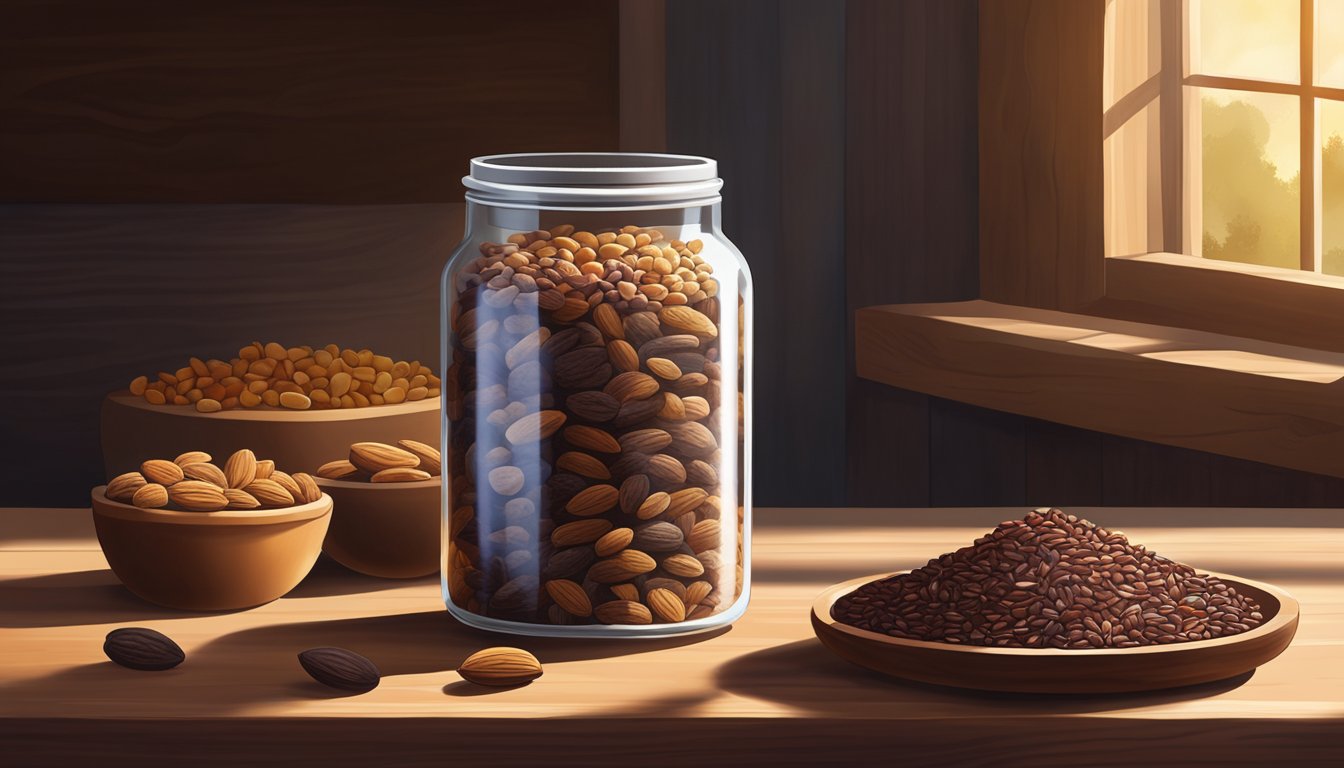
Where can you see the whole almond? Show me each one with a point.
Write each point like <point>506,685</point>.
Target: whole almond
<point>685,500</point>
<point>500,666</point>
<point>123,486</point>
<point>161,471</point>
<point>645,440</point>
<point>634,491</point>
<point>583,464</point>
<point>270,493</point>
<point>658,537</point>
<point>341,669</point>
<point>592,439</point>
<point>579,532</point>
<point>666,468</point>
<point>570,596</point>
<point>655,505</point>
<point>265,467</point>
<point>637,411</point>
<point>206,472</point>
<point>536,426</point>
<point>593,406</point>
<point>702,473</point>
<point>673,408</point>
<point>287,483</point>
<point>666,605</point>
<point>308,488</point>
<point>697,592</point>
<point>192,457</point>
<point>241,468</point>
<point>623,566</point>
<point>696,407</point>
<point>663,368</point>
<point>704,536</point>
<point>693,438</point>
<point>623,612</point>
<point>142,649</point>
<point>608,320</point>
<point>684,318</point>
<point>613,542</point>
<point>375,457</point>
<point>240,499</point>
<point>593,500</point>
<point>430,459</point>
<point>341,469</point>
<point>668,345</point>
<point>632,385</point>
<point>150,496</point>
<point>660,582</point>
<point>506,480</point>
<point>400,475</point>
<point>197,496</point>
<point>686,566</point>
<point>623,357</point>
<point>641,328</point>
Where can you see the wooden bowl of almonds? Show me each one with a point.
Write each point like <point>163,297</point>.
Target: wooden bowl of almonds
<point>189,534</point>
<point>387,517</point>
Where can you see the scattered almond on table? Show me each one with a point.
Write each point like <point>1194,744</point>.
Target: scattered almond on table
<point>191,483</point>
<point>297,378</point>
<point>406,462</point>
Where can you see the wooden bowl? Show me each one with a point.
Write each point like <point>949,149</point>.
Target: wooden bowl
<point>388,530</point>
<point>1056,670</point>
<point>298,441</point>
<point>210,561</point>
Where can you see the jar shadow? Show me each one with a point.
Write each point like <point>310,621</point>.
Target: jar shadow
<point>805,676</point>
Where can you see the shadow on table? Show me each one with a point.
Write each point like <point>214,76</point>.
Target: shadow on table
<point>96,596</point>
<point>807,677</point>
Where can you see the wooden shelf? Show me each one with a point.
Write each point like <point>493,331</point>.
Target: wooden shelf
<point>1239,397</point>
<point>763,690</point>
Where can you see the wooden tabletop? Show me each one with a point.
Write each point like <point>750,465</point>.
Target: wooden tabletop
<point>763,690</point>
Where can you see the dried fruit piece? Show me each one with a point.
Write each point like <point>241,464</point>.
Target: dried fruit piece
<point>501,667</point>
<point>142,649</point>
<point>341,669</point>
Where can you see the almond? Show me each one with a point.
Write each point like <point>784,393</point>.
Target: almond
<point>693,438</point>
<point>501,666</point>
<point>192,457</point>
<point>663,368</point>
<point>673,409</point>
<point>684,318</point>
<point>697,592</point>
<point>206,472</point>
<point>340,469</point>
<point>123,486</point>
<point>668,345</point>
<point>573,308</point>
<point>666,469</point>
<point>655,505</point>
<point>608,321</point>
<point>666,605</point>
<point>623,566</point>
<point>592,439</point>
<point>593,500</point>
<point>285,481</point>
<point>634,491</point>
<point>660,582</point>
<point>704,536</point>
<point>637,411</point>
<point>613,542</point>
<point>264,469</point>
<point>534,427</point>
<point>270,493</point>
<point>696,407</point>
<point>197,496</point>
<point>584,368</point>
<point>142,649</point>
<point>241,468</point>
<point>240,499</point>
<point>683,565</point>
<point>161,471</point>
<point>623,356</point>
<point>430,459</point>
<point>579,532</point>
<point>375,457</point>
<point>593,406</point>
<point>527,347</point>
<point>400,475</point>
<point>623,612</point>
<point>340,669</point>
<point>308,488</point>
<point>645,440</point>
<point>583,464</point>
<point>625,591</point>
<point>641,328</point>
<point>685,500</point>
<point>702,473</point>
<point>632,385</point>
<point>658,537</point>
<point>570,596</point>
<point>150,496</point>
<point>505,480</point>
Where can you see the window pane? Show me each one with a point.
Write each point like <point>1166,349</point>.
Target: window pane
<point>1250,184</point>
<point>1330,43</point>
<point>1332,186</point>
<point>1255,39</point>
<point>1133,48</point>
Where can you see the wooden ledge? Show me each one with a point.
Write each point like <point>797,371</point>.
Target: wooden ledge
<point>1239,397</point>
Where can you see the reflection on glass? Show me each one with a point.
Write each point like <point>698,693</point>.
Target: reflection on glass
<point>1330,43</point>
<point>1332,186</point>
<point>1254,39</point>
<point>1133,47</point>
<point>1133,192</point>
<point>1250,164</point>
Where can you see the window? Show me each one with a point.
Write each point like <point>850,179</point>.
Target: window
<point>1224,131</point>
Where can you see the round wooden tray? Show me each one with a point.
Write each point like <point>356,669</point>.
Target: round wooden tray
<point>1056,670</point>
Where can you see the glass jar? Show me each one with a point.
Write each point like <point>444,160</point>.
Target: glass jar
<point>597,399</point>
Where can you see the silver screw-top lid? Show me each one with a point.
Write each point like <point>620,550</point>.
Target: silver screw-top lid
<point>594,179</point>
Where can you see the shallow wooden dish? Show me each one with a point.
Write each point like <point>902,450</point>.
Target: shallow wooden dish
<point>388,530</point>
<point>1054,670</point>
<point>298,441</point>
<point>210,561</point>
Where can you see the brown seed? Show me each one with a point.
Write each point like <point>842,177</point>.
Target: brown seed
<point>534,427</point>
<point>704,536</point>
<point>240,469</point>
<point>613,542</point>
<point>625,591</point>
<point>593,406</point>
<point>623,356</point>
<point>341,469</point>
<point>634,491</point>
<point>570,596</point>
<point>579,532</point>
<point>683,565</point>
<point>240,499</point>
<point>685,500</point>
<point>206,472</point>
<point>658,537</point>
<point>663,368</point>
<point>645,440</point>
<point>197,496</point>
<point>697,592</point>
<point>591,439</point>
<point>161,472</point>
<point>398,475</point>
<point>265,467</point>
<point>375,457</point>
<point>288,483</point>
<point>593,500</point>
<point>623,566</point>
<point>623,612</point>
<point>655,505</point>
<point>583,465</point>
<point>192,457</point>
<point>150,496</point>
<point>666,605</point>
<point>608,321</point>
<point>683,318</point>
<point>309,491</point>
<point>270,493</point>
<point>632,385</point>
<point>429,457</point>
<point>666,469</point>
<point>123,486</point>
<point>340,669</point>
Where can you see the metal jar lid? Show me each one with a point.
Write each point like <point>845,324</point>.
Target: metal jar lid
<point>593,179</point>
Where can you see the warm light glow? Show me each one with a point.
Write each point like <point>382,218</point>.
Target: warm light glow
<point>1254,39</point>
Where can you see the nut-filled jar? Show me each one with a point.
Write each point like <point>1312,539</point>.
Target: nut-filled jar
<point>596,399</point>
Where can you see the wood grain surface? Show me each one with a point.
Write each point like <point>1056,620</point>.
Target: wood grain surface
<point>765,690</point>
<point>297,101</point>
